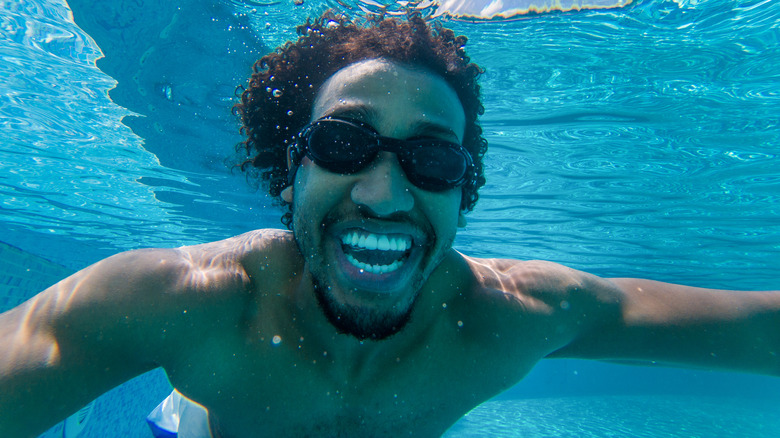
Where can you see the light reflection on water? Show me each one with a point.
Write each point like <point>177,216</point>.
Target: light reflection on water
<point>620,139</point>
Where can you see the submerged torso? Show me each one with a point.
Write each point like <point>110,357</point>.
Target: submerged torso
<point>277,391</point>
<point>273,375</point>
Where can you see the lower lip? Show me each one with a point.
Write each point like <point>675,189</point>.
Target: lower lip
<point>388,282</point>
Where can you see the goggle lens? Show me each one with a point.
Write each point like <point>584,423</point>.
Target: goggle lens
<point>339,147</point>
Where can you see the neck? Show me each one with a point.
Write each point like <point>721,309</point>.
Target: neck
<point>354,360</point>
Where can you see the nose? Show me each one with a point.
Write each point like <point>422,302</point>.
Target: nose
<point>383,187</point>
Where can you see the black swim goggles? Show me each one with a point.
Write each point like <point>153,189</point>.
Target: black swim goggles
<point>347,146</point>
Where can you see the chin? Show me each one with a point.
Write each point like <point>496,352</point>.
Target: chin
<point>370,321</point>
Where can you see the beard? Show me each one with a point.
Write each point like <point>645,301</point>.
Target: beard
<point>360,322</point>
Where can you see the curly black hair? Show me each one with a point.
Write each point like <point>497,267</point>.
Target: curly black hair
<point>277,102</point>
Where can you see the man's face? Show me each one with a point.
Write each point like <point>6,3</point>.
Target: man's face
<point>371,239</point>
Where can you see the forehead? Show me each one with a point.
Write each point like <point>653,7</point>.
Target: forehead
<point>394,98</point>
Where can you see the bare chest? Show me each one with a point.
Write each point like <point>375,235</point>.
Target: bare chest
<point>283,389</point>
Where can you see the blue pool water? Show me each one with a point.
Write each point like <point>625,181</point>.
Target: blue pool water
<point>641,141</point>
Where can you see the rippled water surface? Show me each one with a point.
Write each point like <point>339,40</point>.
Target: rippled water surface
<point>635,141</point>
<point>645,136</point>
<point>640,140</point>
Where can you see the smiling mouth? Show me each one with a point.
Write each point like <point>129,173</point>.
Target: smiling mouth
<point>376,253</point>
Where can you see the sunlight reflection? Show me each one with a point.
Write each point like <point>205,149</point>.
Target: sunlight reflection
<point>491,9</point>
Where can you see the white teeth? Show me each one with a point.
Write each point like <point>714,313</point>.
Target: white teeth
<point>382,242</point>
<point>375,269</point>
<point>371,241</point>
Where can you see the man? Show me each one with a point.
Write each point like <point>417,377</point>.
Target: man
<point>363,321</point>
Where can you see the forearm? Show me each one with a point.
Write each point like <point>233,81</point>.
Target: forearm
<point>30,384</point>
<point>108,323</point>
<point>43,381</point>
<point>50,365</point>
<point>691,326</point>
<point>34,400</point>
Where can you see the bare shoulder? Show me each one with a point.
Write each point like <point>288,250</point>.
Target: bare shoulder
<point>152,299</point>
<point>226,266</point>
<point>245,246</point>
<point>118,318</point>
<point>214,268</point>
<point>262,251</point>
<point>553,292</point>
<point>537,279</point>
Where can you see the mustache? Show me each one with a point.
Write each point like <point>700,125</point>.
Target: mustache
<point>363,213</point>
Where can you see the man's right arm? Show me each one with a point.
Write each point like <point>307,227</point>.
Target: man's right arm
<point>104,325</point>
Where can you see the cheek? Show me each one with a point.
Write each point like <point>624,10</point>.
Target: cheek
<point>316,189</point>
<point>445,210</point>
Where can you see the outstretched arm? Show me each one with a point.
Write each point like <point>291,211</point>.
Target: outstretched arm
<point>683,325</point>
<point>101,327</point>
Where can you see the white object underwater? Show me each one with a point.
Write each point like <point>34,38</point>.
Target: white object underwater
<point>179,416</point>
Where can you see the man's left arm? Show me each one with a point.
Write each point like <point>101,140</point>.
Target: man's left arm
<point>660,322</point>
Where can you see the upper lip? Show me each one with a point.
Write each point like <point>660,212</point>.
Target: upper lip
<point>377,227</point>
